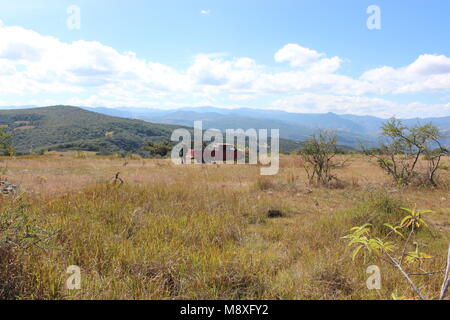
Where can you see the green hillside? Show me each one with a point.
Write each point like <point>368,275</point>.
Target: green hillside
<point>70,128</point>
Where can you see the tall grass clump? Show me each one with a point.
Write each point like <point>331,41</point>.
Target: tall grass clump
<point>135,242</point>
<point>264,183</point>
<point>19,235</point>
<point>377,208</point>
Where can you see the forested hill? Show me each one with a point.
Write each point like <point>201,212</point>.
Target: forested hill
<point>72,128</point>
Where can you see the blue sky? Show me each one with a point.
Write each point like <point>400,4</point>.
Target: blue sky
<point>295,55</point>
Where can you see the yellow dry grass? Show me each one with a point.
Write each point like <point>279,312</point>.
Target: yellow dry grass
<point>203,231</point>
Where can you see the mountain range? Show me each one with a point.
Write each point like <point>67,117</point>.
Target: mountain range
<point>36,130</point>
<point>121,130</point>
<point>352,130</point>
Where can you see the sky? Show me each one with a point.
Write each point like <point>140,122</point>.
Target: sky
<point>380,57</point>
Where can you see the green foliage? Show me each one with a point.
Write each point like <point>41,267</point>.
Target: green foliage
<point>5,143</point>
<point>402,149</point>
<point>318,155</point>
<point>362,235</point>
<point>416,257</point>
<point>62,128</point>
<point>69,128</point>
<point>361,239</point>
<point>414,217</point>
<point>161,149</point>
<point>378,208</point>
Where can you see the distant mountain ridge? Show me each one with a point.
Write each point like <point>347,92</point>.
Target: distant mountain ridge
<point>65,127</point>
<point>351,129</point>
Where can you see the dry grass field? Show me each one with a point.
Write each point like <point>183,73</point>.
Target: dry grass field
<point>205,231</point>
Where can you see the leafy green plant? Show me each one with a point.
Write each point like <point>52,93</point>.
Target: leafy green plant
<point>362,241</point>
<point>414,218</point>
<point>360,238</point>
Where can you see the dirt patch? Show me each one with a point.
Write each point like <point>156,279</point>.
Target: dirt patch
<point>22,128</point>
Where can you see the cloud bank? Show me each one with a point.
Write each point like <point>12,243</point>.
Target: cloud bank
<point>91,73</point>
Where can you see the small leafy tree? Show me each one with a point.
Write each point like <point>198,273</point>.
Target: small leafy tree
<point>161,149</point>
<point>396,253</point>
<point>318,156</point>
<point>6,147</point>
<point>403,149</point>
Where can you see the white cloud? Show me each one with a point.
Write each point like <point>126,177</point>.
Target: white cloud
<point>207,71</point>
<point>91,73</point>
<point>205,11</point>
<point>297,56</point>
<point>428,64</point>
<point>235,74</point>
<point>49,65</point>
<point>292,82</point>
<point>326,65</point>
<point>429,73</point>
<point>309,59</point>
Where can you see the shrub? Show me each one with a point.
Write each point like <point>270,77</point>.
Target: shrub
<point>318,156</point>
<point>400,154</point>
<point>160,149</point>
